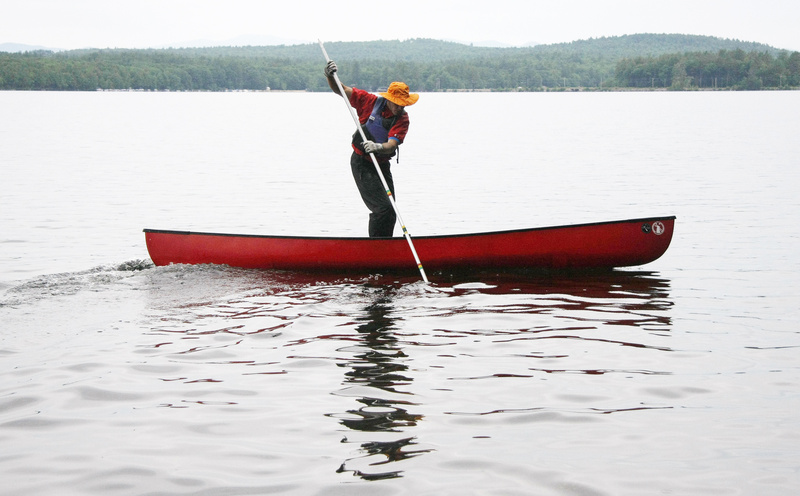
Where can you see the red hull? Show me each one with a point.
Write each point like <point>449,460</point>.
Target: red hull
<point>585,246</point>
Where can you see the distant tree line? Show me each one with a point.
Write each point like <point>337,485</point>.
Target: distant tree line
<point>426,65</point>
<point>148,70</point>
<point>735,69</point>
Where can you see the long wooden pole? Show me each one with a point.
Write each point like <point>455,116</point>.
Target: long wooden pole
<point>377,167</point>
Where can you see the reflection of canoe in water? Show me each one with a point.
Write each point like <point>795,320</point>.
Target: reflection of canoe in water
<point>582,246</point>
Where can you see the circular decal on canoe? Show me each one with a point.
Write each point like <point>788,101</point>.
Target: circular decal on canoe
<point>645,228</point>
<point>658,228</point>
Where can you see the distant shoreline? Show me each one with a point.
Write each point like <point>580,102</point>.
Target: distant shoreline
<point>463,90</point>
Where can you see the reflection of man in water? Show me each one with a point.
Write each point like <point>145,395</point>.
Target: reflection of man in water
<point>380,366</point>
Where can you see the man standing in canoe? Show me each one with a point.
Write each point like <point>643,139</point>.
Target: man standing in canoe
<point>385,123</point>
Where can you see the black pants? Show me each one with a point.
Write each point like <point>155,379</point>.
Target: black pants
<point>382,217</point>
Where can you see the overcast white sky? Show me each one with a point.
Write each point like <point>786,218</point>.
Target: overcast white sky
<point>69,24</point>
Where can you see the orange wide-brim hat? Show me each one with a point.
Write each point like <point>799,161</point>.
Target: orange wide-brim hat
<point>398,93</point>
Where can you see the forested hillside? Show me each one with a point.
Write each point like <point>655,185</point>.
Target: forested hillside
<point>634,61</point>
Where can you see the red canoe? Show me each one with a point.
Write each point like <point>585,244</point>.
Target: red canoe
<point>582,246</point>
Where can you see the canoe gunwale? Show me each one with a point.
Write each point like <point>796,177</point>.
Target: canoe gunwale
<point>437,236</point>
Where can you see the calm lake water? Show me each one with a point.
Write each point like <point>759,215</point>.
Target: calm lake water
<point>119,378</point>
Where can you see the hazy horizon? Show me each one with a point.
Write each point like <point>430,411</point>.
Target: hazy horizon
<point>79,24</point>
